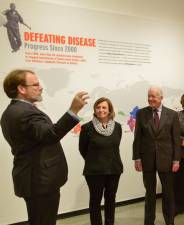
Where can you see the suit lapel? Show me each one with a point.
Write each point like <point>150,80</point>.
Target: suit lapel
<point>163,118</point>
<point>152,127</point>
<point>153,130</point>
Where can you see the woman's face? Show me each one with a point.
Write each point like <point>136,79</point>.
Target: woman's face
<point>102,111</point>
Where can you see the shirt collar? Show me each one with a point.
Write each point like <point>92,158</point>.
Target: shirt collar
<point>159,109</point>
<point>22,100</point>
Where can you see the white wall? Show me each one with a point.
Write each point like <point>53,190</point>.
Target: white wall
<point>119,82</point>
<point>158,10</point>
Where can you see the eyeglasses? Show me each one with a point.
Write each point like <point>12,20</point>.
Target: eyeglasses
<point>32,85</point>
<point>154,96</point>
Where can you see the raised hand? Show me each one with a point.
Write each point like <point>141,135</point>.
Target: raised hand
<point>79,101</point>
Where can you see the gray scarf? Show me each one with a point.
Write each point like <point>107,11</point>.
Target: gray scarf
<point>100,129</point>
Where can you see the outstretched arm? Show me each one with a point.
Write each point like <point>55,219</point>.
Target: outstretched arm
<point>26,25</point>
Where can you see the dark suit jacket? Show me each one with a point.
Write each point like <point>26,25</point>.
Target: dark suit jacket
<point>101,153</point>
<point>157,148</point>
<point>181,119</point>
<point>39,162</point>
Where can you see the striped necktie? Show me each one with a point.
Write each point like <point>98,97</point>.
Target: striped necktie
<point>156,119</point>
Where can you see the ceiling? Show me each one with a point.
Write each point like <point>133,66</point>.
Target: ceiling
<point>164,10</point>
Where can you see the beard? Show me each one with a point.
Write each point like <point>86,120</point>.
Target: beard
<point>39,98</point>
<point>35,99</point>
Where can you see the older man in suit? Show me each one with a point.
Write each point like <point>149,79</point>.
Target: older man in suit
<point>40,167</point>
<point>156,148</point>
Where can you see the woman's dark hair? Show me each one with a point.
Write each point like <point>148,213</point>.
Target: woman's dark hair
<point>182,100</point>
<point>111,109</point>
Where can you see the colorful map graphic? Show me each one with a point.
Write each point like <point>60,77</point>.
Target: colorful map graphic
<point>132,119</point>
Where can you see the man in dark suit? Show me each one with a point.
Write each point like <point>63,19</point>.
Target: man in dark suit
<point>156,148</point>
<point>40,167</point>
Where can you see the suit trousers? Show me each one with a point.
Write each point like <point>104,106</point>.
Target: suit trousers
<point>14,38</point>
<point>179,188</point>
<point>168,209</point>
<point>99,185</point>
<point>42,209</point>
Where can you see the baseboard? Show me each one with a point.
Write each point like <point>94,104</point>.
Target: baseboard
<point>84,211</point>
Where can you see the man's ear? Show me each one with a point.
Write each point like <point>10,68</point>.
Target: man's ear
<point>21,89</point>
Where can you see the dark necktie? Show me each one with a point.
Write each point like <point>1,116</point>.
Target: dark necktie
<point>156,119</point>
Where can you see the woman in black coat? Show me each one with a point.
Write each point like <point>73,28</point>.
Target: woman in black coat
<point>179,176</point>
<point>99,146</point>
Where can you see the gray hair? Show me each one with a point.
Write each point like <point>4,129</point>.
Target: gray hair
<point>158,90</point>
